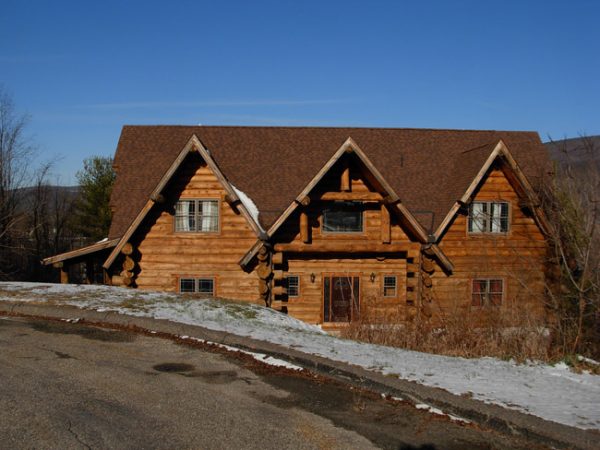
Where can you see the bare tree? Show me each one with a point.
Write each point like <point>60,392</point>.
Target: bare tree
<point>16,154</point>
<point>572,204</point>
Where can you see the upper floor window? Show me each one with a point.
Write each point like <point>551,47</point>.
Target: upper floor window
<point>343,217</point>
<point>487,292</point>
<point>201,216</point>
<point>488,217</point>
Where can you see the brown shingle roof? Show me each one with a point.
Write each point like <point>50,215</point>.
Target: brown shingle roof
<point>429,169</point>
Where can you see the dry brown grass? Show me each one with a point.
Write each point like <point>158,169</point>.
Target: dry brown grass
<point>470,333</point>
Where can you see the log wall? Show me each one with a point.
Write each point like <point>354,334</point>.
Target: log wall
<point>166,255</point>
<point>518,257</point>
<point>379,230</point>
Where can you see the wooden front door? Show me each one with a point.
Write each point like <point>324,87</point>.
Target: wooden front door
<point>341,298</point>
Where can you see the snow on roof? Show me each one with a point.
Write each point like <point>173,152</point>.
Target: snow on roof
<point>249,205</point>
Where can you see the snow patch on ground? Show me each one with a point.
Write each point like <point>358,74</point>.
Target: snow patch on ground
<point>552,392</point>
<point>265,359</point>
<point>439,412</point>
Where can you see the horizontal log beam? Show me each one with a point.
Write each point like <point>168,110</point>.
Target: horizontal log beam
<point>342,247</point>
<point>355,196</point>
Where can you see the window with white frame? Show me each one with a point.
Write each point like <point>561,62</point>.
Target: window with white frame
<point>488,217</point>
<point>293,285</point>
<point>199,216</point>
<point>487,292</point>
<point>343,217</point>
<point>197,285</point>
<point>389,286</point>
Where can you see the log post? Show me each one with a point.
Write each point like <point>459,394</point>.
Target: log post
<point>158,198</point>
<point>277,259</point>
<point>127,249</point>
<point>129,263</point>
<point>345,183</point>
<point>304,228</point>
<point>278,275</point>
<point>386,229</point>
<point>279,290</point>
<point>428,265</point>
<point>64,271</point>
<point>304,201</point>
<point>263,253</point>
<point>64,275</point>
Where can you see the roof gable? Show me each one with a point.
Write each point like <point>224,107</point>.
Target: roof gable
<point>499,152</point>
<point>234,195</point>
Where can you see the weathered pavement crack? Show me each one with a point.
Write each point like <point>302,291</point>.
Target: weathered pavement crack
<point>76,436</point>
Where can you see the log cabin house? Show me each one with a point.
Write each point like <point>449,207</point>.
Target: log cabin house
<point>328,224</point>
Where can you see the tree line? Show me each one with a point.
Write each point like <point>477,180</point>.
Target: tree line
<point>38,218</point>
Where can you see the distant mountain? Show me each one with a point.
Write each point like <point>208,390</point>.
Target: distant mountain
<point>54,194</point>
<point>576,152</point>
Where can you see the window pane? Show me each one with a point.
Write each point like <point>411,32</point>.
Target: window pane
<point>495,216</point>
<point>478,217</point>
<point>187,285</point>
<point>185,215</point>
<point>495,299</point>
<point>496,286</point>
<point>488,217</point>
<point>389,286</point>
<point>479,292</point>
<point>487,292</point>
<point>504,217</point>
<point>499,214</point>
<point>206,286</point>
<point>343,218</point>
<point>209,215</point>
<point>293,286</point>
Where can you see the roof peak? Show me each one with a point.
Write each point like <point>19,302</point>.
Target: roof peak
<point>308,127</point>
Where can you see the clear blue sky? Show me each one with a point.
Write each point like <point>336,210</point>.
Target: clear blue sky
<point>83,69</point>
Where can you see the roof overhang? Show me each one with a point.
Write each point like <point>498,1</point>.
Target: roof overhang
<point>73,254</point>
<point>193,145</point>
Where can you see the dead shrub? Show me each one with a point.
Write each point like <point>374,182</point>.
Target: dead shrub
<point>468,332</point>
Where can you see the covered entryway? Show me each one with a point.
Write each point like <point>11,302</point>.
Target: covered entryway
<point>341,298</point>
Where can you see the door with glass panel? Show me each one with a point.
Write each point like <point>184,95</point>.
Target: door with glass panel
<point>341,298</point>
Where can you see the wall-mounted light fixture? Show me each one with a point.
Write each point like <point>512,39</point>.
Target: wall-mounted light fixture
<point>312,277</point>
<point>372,277</point>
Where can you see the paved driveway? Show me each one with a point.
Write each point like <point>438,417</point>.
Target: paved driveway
<point>72,386</point>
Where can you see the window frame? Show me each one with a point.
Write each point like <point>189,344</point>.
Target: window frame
<point>383,286</point>
<point>297,277</point>
<point>198,218</point>
<point>486,300</point>
<point>197,279</point>
<point>488,219</point>
<point>359,208</point>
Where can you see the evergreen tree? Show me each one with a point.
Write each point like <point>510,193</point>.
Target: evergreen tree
<point>96,180</point>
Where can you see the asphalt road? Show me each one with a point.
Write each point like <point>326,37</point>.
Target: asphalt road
<point>70,386</point>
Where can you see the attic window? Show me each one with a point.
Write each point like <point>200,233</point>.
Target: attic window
<point>343,217</point>
<point>200,216</point>
<point>488,217</point>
